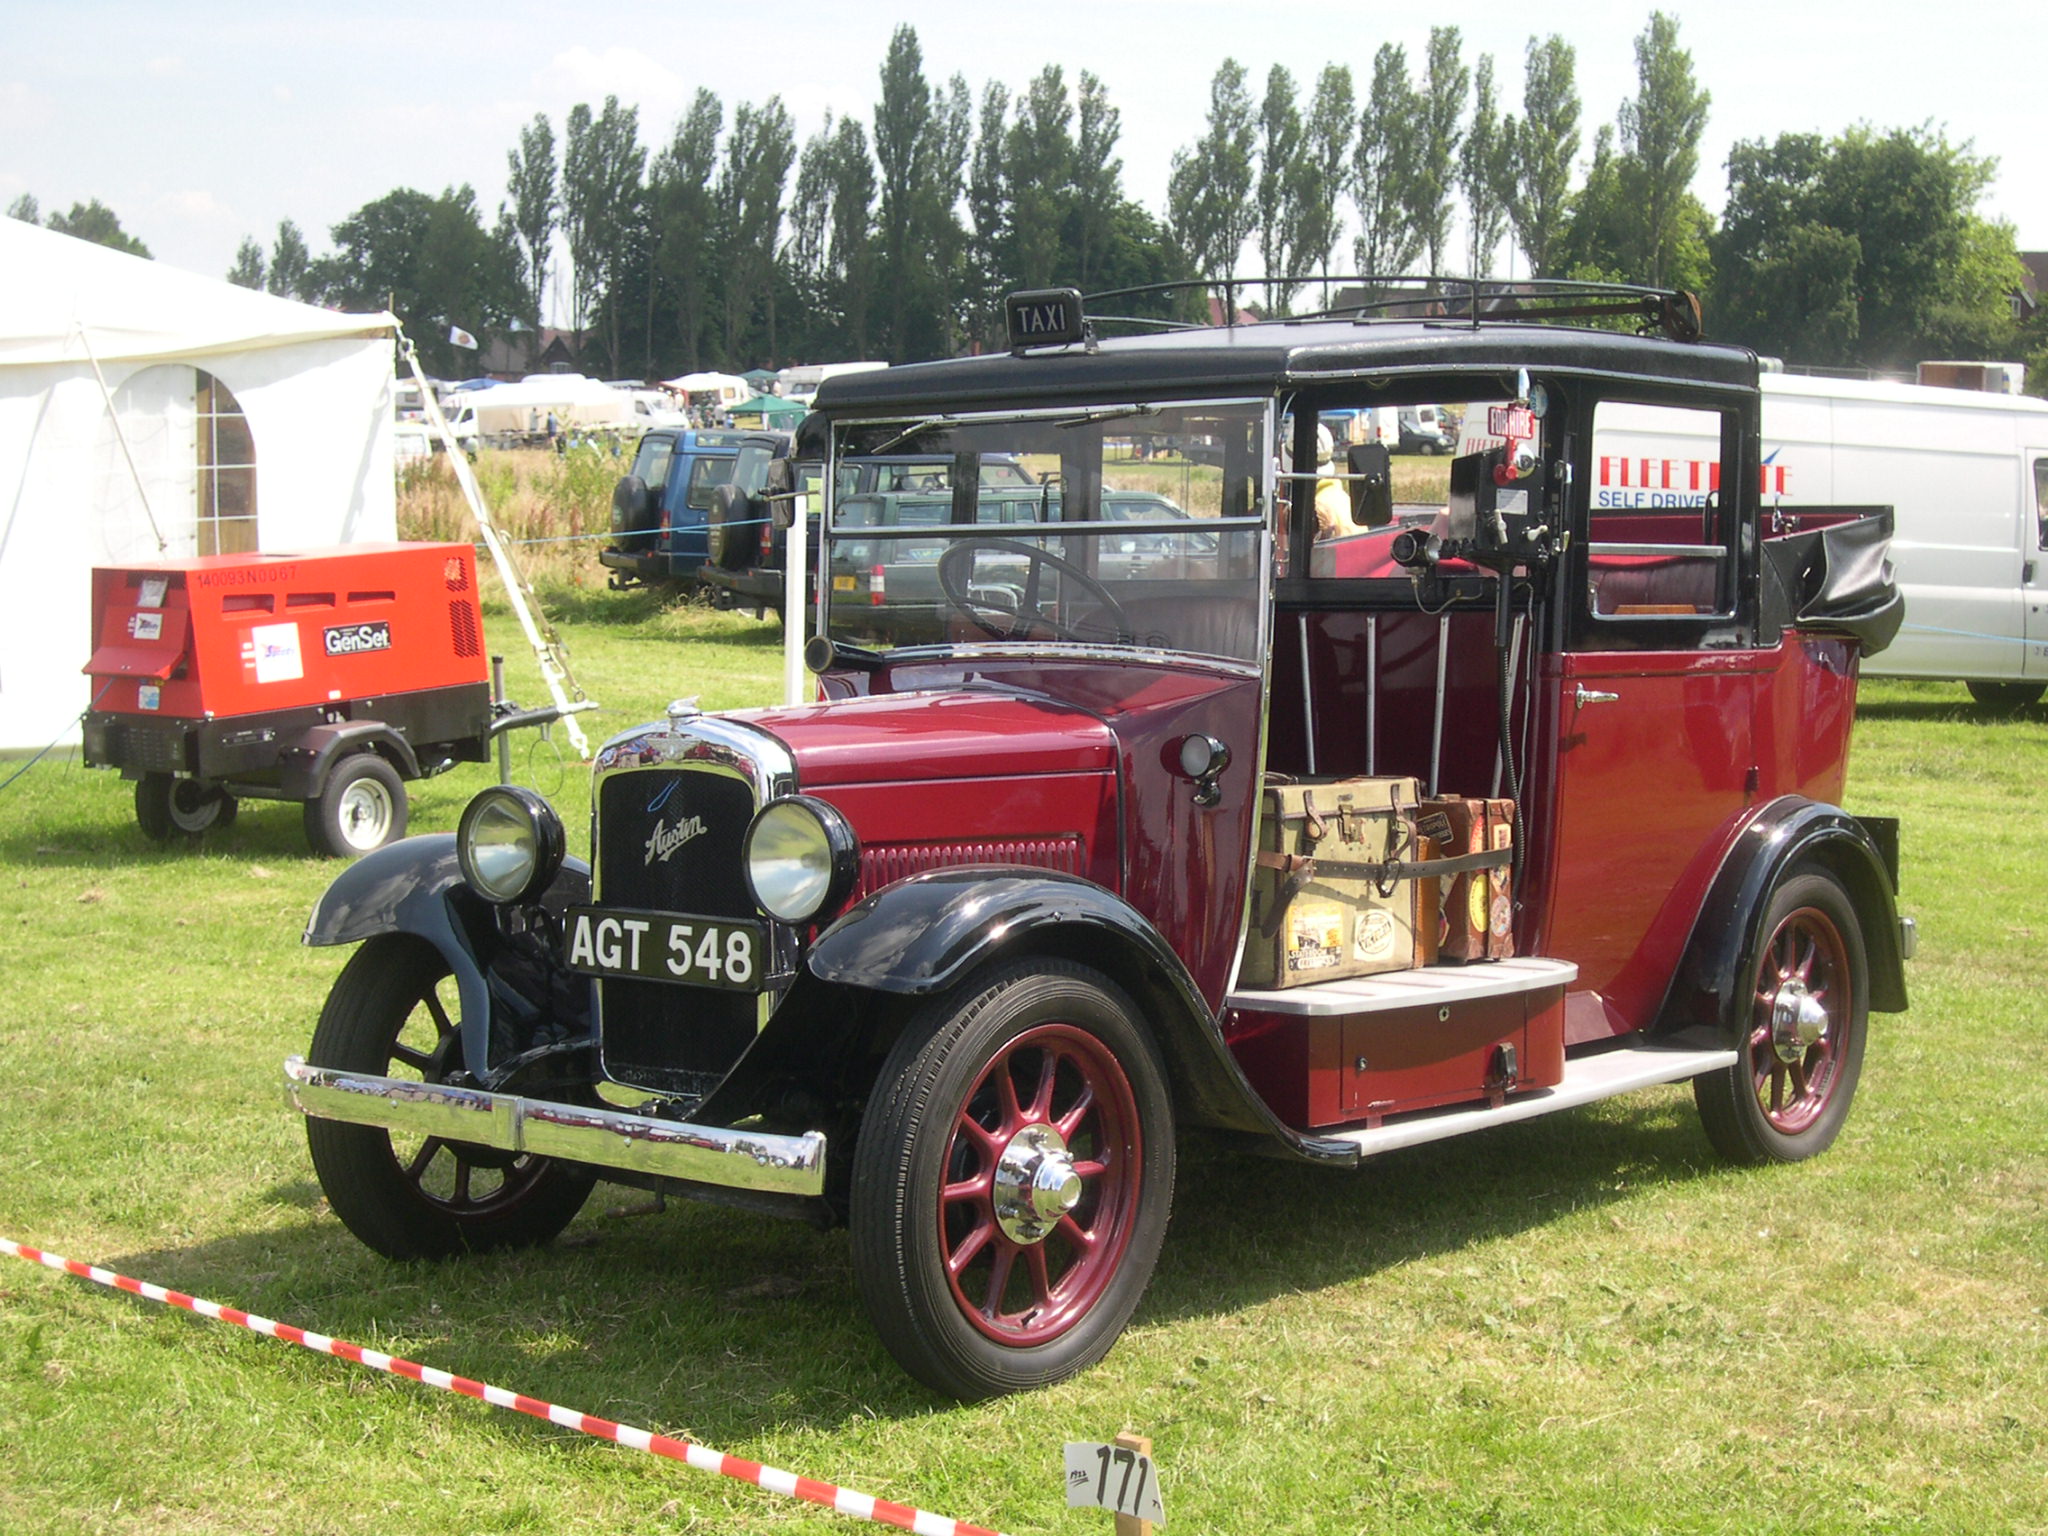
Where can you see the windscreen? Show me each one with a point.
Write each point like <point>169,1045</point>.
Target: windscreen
<point>1139,526</point>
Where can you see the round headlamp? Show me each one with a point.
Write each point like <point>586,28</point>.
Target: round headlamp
<point>510,844</point>
<point>801,858</point>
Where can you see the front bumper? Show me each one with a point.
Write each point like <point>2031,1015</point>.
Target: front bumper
<point>603,1138</point>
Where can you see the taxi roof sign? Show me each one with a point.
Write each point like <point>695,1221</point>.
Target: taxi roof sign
<point>1045,317</point>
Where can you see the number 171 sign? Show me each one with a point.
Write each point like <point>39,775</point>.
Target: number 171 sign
<point>1115,1478</point>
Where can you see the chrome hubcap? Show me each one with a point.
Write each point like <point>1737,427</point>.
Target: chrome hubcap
<point>365,814</point>
<point>1035,1184</point>
<point>1798,1020</point>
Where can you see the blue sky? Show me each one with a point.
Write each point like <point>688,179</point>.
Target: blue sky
<point>200,124</point>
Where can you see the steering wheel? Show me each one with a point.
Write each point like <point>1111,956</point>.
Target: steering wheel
<point>956,570</point>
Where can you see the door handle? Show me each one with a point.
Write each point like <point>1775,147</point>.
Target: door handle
<point>1582,696</point>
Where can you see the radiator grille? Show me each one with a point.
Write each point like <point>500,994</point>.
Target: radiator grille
<point>673,1039</point>
<point>886,863</point>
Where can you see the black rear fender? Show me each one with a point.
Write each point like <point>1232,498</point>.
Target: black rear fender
<point>1788,836</point>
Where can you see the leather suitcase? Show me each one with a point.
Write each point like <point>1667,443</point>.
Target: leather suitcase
<point>1477,905</point>
<point>1336,891</point>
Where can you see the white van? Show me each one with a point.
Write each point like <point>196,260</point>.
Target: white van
<point>1965,472</point>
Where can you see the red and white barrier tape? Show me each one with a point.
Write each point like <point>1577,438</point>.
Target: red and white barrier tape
<point>844,1500</point>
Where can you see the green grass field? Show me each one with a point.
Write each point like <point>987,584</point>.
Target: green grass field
<point>1585,1323</point>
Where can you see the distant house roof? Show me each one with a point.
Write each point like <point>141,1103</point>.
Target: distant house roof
<point>2034,284</point>
<point>513,355</point>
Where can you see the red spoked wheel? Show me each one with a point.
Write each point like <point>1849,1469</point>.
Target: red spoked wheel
<point>1041,1185</point>
<point>1012,1181</point>
<point>1802,1037</point>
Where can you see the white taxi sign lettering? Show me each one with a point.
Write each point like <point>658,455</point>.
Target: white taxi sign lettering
<point>1044,317</point>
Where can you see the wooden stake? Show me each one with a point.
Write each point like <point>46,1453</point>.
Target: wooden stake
<point>1131,1525</point>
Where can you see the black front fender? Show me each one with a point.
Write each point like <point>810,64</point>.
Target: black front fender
<point>415,886</point>
<point>1723,951</point>
<point>924,935</point>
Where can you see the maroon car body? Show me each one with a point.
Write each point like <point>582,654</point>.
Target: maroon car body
<point>953,952</point>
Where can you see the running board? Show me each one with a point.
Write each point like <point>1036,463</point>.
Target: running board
<point>1586,1079</point>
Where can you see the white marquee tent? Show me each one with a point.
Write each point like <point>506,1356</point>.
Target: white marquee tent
<point>148,413</point>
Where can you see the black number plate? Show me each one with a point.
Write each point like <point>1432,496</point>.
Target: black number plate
<point>668,946</point>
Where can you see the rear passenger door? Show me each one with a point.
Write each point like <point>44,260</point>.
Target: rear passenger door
<point>1654,698</point>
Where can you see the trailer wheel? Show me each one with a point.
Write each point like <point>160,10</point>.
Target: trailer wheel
<point>2007,695</point>
<point>1801,1035</point>
<point>1012,1181</point>
<point>420,1197</point>
<point>361,807</point>
<point>168,807</point>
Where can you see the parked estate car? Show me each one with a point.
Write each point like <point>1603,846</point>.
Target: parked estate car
<point>753,577</point>
<point>1330,848</point>
<point>686,505</point>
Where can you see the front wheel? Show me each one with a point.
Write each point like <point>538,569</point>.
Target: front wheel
<point>392,1014</point>
<point>361,807</point>
<point>1802,1032</point>
<point>1012,1181</point>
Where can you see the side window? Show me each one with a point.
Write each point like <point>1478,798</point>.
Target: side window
<point>706,476</point>
<point>2041,501</point>
<point>1658,537</point>
<point>650,463</point>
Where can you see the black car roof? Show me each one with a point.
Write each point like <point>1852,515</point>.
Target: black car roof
<point>1279,355</point>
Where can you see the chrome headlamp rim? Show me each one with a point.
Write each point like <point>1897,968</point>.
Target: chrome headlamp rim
<point>827,880</point>
<point>536,839</point>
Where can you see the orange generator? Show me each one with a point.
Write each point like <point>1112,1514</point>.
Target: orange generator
<point>329,677</point>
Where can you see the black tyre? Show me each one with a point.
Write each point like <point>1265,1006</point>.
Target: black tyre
<point>733,530</point>
<point>361,807</point>
<point>168,807</point>
<point>1012,1181</point>
<point>1801,1037</point>
<point>2007,695</point>
<point>391,1012</point>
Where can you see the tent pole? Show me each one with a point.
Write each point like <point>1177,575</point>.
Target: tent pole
<point>548,650</point>
<point>121,437</point>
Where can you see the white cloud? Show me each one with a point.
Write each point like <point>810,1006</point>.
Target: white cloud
<point>637,78</point>
<point>164,67</point>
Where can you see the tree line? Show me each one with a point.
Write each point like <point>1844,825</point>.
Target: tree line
<point>730,245</point>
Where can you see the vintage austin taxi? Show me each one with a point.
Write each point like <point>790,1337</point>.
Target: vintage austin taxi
<point>957,952</point>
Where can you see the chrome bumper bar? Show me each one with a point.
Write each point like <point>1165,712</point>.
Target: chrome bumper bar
<point>604,1138</point>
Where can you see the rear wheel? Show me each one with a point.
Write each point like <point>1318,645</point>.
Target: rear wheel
<point>392,1013</point>
<point>1802,1032</point>
<point>1012,1181</point>
<point>168,807</point>
<point>2007,695</point>
<point>362,806</point>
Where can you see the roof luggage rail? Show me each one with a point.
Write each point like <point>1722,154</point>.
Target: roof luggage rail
<point>1673,312</point>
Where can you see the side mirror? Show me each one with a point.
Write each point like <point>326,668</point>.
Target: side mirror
<point>1371,484</point>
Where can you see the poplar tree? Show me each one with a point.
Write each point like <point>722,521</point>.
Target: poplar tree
<point>1660,133</point>
<point>1541,148</point>
<point>1383,169</point>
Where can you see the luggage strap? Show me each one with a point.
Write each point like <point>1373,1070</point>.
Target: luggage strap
<point>1297,869</point>
<point>1307,865</point>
